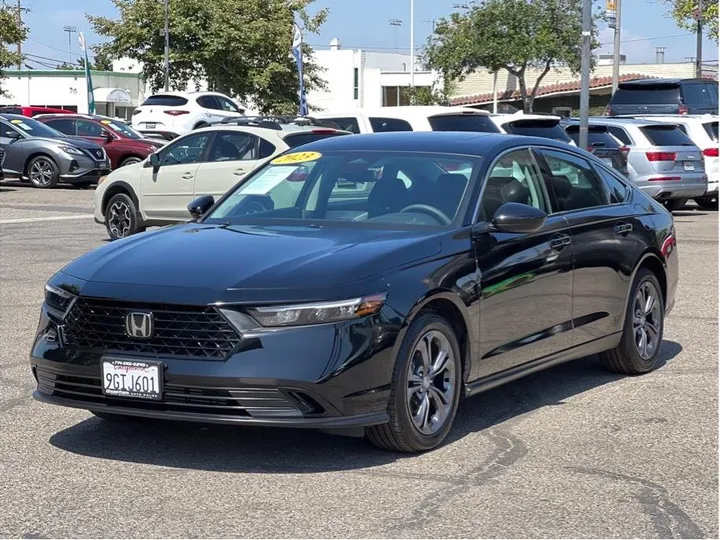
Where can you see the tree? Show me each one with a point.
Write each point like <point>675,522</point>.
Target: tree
<point>682,12</point>
<point>11,32</point>
<point>241,47</point>
<point>514,35</point>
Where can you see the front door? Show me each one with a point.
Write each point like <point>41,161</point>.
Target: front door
<point>526,279</point>
<point>232,156</point>
<point>167,190</point>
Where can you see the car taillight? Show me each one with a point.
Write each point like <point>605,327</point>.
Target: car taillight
<point>682,109</point>
<point>608,111</point>
<point>661,156</point>
<point>710,152</point>
<point>174,112</point>
<point>664,179</point>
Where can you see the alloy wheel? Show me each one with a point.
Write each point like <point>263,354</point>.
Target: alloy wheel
<point>119,219</point>
<point>431,382</point>
<point>646,320</point>
<point>41,172</point>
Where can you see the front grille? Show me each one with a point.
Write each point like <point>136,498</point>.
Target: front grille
<point>98,153</point>
<point>180,331</point>
<point>238,402</point>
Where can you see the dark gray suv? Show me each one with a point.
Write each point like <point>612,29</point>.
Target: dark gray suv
<point>46,157</point>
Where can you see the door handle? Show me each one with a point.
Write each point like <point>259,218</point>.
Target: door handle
<point>559,242</point>
<point>622,228</point>
<point>239,172</point>
<point>188,175</point>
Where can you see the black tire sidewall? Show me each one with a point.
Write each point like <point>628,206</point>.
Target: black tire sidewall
<point>134,218</point>
<point>633,357</point>
<point>399,411</point>
<point>55,168</point>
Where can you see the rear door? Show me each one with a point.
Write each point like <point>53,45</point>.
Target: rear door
<point>232,156</point>
<point>638,99</point>
<point>604,238</point>
<point>671,152</point>
<point>167,190</point>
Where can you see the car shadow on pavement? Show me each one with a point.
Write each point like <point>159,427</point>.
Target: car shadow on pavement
<point>276,450</point>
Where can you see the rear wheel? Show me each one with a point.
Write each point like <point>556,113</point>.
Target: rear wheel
<point>122,217</point>
<point>675,204</point>
<point>708,202</point>
<point>643,331</point>
<point>43,172</point>
<point>425,388</point>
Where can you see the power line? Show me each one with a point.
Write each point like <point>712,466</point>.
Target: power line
<point>48,46</point>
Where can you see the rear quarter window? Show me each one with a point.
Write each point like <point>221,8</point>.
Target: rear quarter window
<point>646,95</point>
<point>166,101</point>
<point>616,189</point>
<point>298,139</point>
<point>665,136</point>
<point>463,122</point>
<point>620,134</point>
<point>712,130</point>
<point>538,128</point>
<point>382,125</point>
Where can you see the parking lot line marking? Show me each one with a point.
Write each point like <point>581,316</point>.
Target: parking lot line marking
<point>53,218</point>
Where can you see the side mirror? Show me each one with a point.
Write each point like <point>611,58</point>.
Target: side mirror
<point>518,218</point>
<point>12,134</point>
<point>200,206</point>
<point>154,161</point>
<point>109,137</point>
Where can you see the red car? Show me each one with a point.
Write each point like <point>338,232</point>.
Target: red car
<point>123,144</point>
<point>29,111</point>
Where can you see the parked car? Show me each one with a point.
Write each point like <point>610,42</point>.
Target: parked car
<point>46,157</point>
<point>2,158</point>
<point>662,160</point>
<point>170,114</point>
<point>533,125</point>
<point>407,118</point>
<point>209,160</point>
<point>380,312</point>
<point>703,131</point>
<point>123,144</point>
<point>602,144</point>
<point>31,111</point>
<point>664,96</point>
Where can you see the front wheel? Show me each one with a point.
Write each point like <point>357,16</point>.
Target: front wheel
<point>425,388</point>
<point>43,172</point>
<point>675,204</point>
<point>122,217</point>
<point>708,202</point>
<point>132,160</point>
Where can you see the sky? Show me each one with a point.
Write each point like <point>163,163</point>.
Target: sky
<point>365,24</point>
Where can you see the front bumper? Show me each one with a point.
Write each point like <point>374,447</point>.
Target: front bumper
<point>82,169</point>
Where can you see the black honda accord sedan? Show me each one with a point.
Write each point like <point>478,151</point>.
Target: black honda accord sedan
<point>367,281</point>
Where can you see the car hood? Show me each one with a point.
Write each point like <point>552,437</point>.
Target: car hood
<point>250,259</point>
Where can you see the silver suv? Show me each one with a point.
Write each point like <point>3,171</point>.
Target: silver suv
<point>662,160</point>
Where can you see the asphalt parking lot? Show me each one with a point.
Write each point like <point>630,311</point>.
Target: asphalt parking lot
<point>570,452</point>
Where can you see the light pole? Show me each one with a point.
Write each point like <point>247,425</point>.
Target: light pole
<point>167,45</point>
<point>616,49</point>
<point>395,23</point>
<point>585,72</point>
<point>698,15</point>
<point>412,43</point>
<point>70,31</point>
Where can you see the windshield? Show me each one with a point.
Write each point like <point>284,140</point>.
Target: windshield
<point>124,129</point>
<point>359,188</point>
<point>34,128</point>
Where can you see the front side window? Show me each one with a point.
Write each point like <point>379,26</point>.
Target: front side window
<point>190,149</point>
<point>227,105</point>
<point>5,130</point>
<point>63,125</point>
<point>359,188</point>
<point>514,177</point>
<point>571,182</point>
<point>233,146</point>
<point>383,125</point>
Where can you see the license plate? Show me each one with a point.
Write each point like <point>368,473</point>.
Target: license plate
<point>150,125</point>
<point>607,161</point>
<point>132,379</point>
<point>689,165</point>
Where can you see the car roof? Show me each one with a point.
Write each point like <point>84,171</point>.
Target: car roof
<point>258,130</point>
<point>508,118</point>
<point>404,111</point>
<point>653,82</point>
<point>602,120</point>
<point>469,143</point>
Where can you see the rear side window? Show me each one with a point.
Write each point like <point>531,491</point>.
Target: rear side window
<point>665,136</point>
<point>348,123</point>
<point>538,128</point>
<point>162,100</point>
<point>297,139</point>
<point>463,122</point>
<point>712,130</point>
<point>620,134</point>
<point>646,95</point>
<point>616,189</point>
<point>698,94</point>
<point>208,102</point>
<point>63,126</point>
<point>266,148</point>
<point>382,125</point>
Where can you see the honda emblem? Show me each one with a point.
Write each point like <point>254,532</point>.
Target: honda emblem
<point>140,324</point>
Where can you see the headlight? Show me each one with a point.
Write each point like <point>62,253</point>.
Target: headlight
<point>319,312</point>
<point>58,298</point>
<point>72,150</point>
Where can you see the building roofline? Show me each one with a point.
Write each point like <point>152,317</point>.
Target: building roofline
<point>67,73</point>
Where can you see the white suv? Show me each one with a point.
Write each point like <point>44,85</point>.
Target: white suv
<point>170,114</point>
<point>411,118</point>
<point>703,131</point>
<point>206,161</point>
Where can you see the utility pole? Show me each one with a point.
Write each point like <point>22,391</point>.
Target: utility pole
<point>616,48</point>
<point>20,9</point>
<point>412,43</point>
<point>70,31</point>
<point>585,72</point>
<point>167,45</point>
<point>698,14</point>
<point>395,23</point>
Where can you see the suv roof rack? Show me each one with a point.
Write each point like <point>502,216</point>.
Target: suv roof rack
<point>275,121</point>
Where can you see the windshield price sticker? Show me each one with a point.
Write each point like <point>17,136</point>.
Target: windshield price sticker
<point>296,157</point>
<point>268,180</point>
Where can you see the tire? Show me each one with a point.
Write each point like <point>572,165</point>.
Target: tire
<point>122,217</point>
<point>130,161</point>
<point>43,172</point>
<point>675,204</point>
<point>627,356</point>
<point>709,202</point>
<point>403,433</point>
